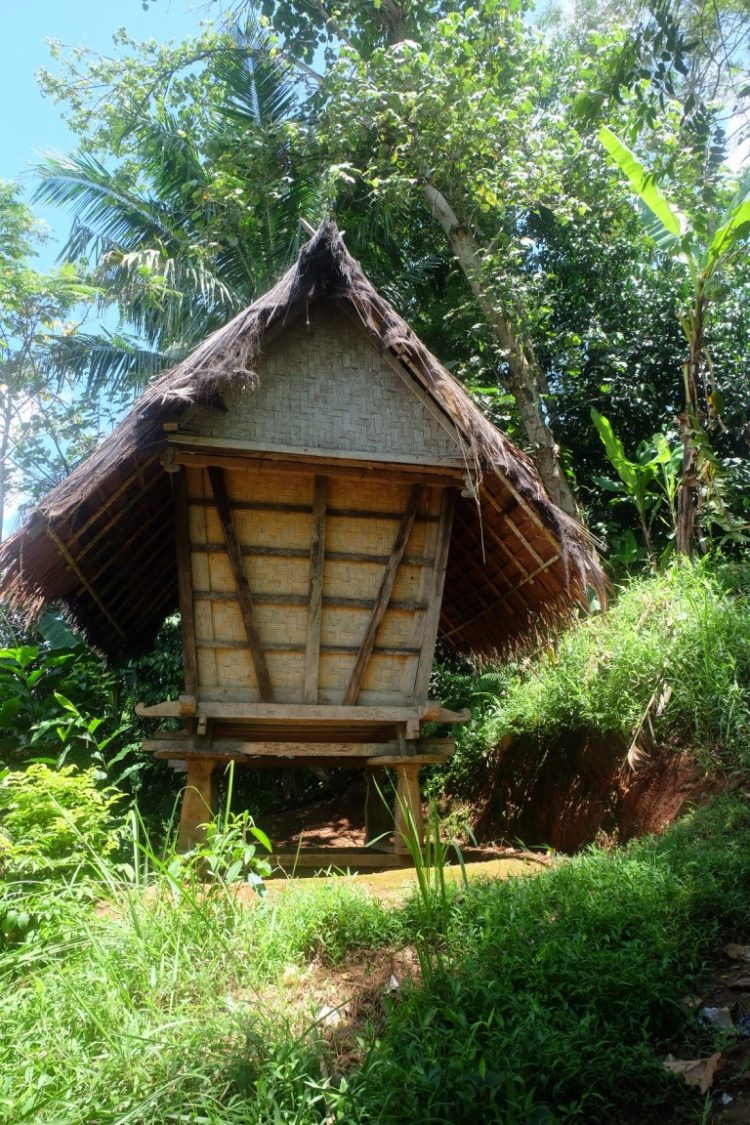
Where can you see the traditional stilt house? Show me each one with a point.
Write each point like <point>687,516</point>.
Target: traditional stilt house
<point>322,501</point>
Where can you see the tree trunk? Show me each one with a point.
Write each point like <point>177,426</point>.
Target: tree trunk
<point>689,421</point>
<point>526,381</point>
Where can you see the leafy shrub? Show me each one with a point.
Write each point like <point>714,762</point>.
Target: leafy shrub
<point>53,821</point>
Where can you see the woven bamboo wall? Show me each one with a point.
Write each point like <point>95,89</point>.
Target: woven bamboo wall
<point>325,388</point>
<point>272,515</point>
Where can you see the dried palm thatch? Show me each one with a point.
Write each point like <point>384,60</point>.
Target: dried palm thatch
<point>103,541</point>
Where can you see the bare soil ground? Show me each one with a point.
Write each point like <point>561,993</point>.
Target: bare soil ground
<point>579,790</point>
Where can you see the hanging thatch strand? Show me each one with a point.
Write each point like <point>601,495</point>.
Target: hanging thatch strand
<point>102,541</point>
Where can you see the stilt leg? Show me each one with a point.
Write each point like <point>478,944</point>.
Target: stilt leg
<point>408,808</point>
<point>197,803</point>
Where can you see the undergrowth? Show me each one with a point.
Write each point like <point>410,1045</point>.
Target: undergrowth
<point>546,999</point>
<point>669,661</point>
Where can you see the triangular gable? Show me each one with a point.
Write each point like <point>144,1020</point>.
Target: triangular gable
<point>325,389</point>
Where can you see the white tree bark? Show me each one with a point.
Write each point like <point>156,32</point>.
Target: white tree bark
<point>527,381</point>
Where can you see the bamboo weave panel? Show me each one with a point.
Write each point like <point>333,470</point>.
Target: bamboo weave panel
<point>325,386</point>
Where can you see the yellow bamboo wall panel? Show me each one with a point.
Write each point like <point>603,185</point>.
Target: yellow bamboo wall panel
<point>234,668</point>
<point>225,669</point>
<point>347,627</point>
<point>372,536</point>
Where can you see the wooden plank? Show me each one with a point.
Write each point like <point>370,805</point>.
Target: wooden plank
<point>432,617</point>
<point>424,757</point>
<point>389,750</point>
<point>185,585</point>
<point>287,712</point>
<point>303,600</point>
<point>75,568</point>
<point>265,749</point>
<point>308,509</point>
<point>247,609</point>
<point>392,472</point>
<point>233,444</point>
<point>407,808</point>
<point>384,594</point>
<point>315,607</point>
<point>303,553</point>
<point>198,801</point>
<point>289,646</point>
<point>361,859</point>
<point>434,712</point>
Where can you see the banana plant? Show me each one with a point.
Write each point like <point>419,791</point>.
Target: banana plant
<point>704,248</point>
<point>649,481</point>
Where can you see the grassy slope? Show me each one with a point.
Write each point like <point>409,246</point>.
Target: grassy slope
<point>687,630</point>
<point>545,999</point>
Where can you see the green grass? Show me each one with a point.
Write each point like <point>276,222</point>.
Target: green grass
<point>556,998</point>
<point>544,999</point>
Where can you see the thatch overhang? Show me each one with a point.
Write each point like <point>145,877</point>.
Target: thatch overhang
<point>103,541</point>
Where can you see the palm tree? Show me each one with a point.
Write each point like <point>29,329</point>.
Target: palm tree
<point>175,249</point>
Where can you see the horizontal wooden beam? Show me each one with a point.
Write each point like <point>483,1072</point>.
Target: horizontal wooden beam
<point>303,600</point>
<point>433,712</point>
<point>359,859</point>
<point>303,553</point>
<point>393,472</point>
<point>383,753</point>
<point>307,510</point>
<point>320,459</point>
<point>288,646</point>
<point>283,712</point>
<point>423,757</point>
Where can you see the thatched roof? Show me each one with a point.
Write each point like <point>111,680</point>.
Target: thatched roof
<point>102,541</point>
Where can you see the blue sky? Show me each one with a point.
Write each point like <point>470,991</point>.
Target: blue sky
<point>30,123</point>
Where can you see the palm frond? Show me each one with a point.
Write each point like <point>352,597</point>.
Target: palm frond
<point>116,361</point>
<point>106,212</point>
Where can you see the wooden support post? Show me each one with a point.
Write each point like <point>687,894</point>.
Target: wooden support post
<point>197,802</point>
<point>247,608</point>
<point>432,617</point>
<point>378,814</point>
<point>185,584</point>
<point>408,808</point>
<point>384,594</point>
<point>317,559</point>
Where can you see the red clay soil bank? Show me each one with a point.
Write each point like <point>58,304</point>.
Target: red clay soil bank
<point>568,793</point>
<point>565,795</point>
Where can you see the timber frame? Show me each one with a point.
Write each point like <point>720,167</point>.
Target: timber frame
<point>304,729</point>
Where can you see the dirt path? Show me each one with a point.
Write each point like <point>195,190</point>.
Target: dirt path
<point>395,885</point>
